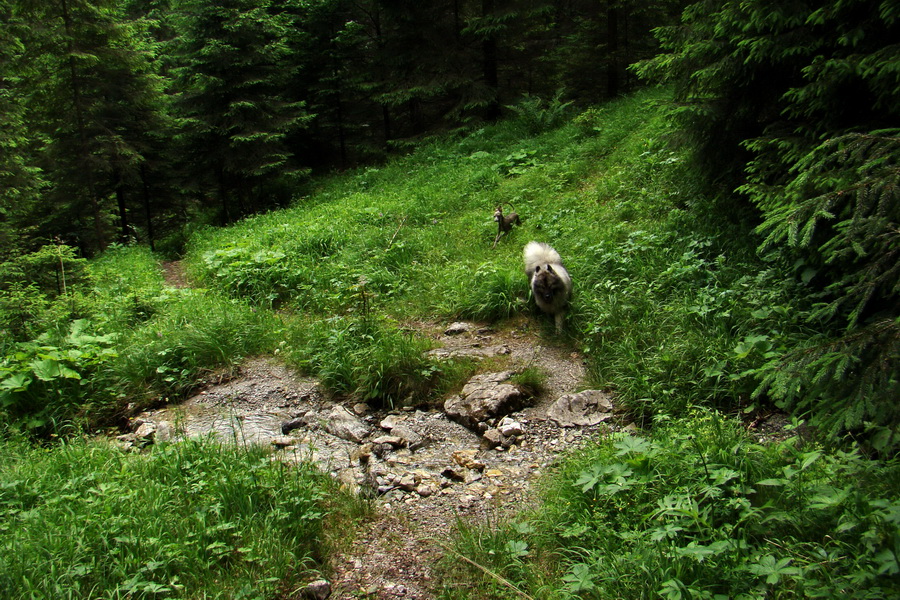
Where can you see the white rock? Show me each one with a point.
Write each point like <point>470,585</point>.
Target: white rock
<point>510,427</point>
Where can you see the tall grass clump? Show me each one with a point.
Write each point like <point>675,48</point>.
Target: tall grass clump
<point>698,509</point>
<point>198,332</point>
<point>367,358</point>
<point>675,320</point>
<point>188,520</point>
<point>127,287</point>
<point>490,292</point>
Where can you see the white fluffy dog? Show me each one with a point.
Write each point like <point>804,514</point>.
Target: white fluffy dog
<point>550,282</point>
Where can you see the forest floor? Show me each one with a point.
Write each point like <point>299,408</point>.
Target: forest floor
<point>420,490</point>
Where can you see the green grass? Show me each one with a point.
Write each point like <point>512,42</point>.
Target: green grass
<point>671,308</point>
<point>198,332</point>
<point>695,509</point>
<point>419,230</point>
<point>369,359</point>
<point>663,299</point>
<point>189,520</point>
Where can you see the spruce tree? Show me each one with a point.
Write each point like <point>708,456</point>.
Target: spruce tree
<point>94,104</point>
<point>20,179</point>
<point>798,102</point>
<point>233,69</point>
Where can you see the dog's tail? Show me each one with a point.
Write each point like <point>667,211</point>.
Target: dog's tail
<point>537,254</point>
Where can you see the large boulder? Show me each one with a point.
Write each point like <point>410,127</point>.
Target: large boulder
<point>317,590</point>
<point>484,397</point>
<point>341,423</point>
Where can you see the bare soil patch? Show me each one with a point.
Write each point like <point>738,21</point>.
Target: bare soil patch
<point>173,273</point>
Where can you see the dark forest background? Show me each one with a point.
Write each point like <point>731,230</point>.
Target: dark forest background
<point>129,119</point>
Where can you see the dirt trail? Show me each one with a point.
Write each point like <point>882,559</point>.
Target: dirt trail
<point>441,473</point>
<point>393,555</point>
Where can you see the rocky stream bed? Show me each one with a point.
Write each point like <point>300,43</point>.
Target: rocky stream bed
<point>474,457</point>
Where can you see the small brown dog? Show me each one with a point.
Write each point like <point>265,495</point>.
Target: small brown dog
<point>504,223</point>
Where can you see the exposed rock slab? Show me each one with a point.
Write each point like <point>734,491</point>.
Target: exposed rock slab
<point>417,490</point>
<point>582,409</point>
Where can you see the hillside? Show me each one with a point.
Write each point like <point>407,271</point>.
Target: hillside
<point>349,292</point>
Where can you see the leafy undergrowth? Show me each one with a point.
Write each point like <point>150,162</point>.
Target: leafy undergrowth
<point>695,509</point>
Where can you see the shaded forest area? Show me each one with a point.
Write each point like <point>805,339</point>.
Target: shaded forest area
<point>130,119</point>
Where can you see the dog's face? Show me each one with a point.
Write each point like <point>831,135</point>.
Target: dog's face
<point>546,284</point>
<point>498,215</point>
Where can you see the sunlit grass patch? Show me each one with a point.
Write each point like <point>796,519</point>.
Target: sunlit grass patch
<point>367,358</point>
<point>199,331</point>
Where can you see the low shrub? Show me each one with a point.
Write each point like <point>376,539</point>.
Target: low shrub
<point>49,383</point>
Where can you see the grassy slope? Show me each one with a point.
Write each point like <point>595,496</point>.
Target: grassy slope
<point>573,186</point>
<point>671,309</point>
<point>664,293</point>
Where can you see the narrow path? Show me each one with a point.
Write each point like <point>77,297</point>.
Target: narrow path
<point>173,273</point>
<point>393,556</point>
<point>439,474</point>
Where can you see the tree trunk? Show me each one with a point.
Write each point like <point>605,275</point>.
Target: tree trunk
<point>385,108</point>
<point>223,194</point>
<point>147,211</point>
<point>612,49</point>
<point>123,212</point>
<point>78,103</point>
<point>386,119</point>
<point>489,57</point>
<point>342,136</point>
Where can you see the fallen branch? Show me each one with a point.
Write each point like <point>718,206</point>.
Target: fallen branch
<point>391,243</point>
